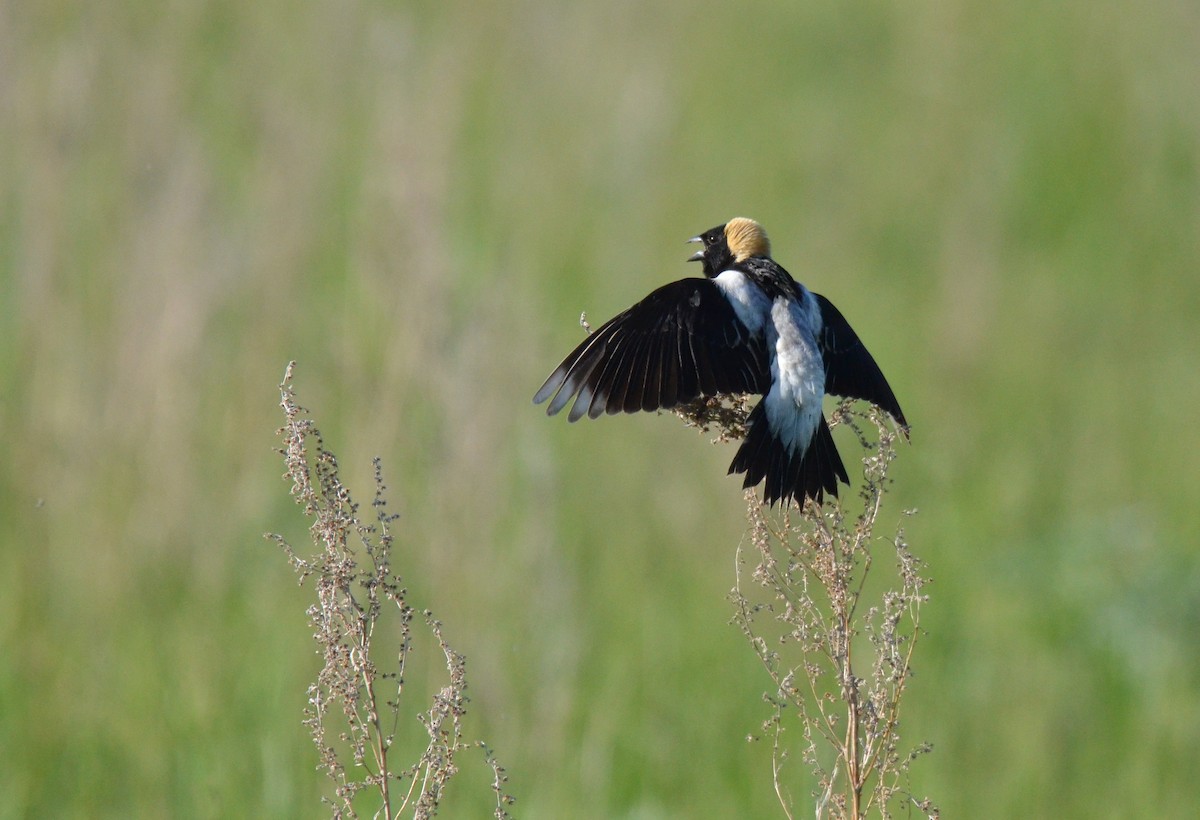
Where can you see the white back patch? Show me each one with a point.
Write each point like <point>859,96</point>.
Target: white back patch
<point>751,305</point>
<point>789,326</point>
<point>794,403</point>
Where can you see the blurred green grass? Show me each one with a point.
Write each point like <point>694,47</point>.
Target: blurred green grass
<point>415,201</point>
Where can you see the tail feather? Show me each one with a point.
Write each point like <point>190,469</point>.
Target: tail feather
<point>809,473</point>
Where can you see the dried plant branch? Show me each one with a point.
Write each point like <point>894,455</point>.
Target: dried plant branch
<point>842,662</point>
<point>354,704</point>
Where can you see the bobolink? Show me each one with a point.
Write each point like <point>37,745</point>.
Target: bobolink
<point>746,327</point>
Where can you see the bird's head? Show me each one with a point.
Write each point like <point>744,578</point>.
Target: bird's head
<point>725,245</point>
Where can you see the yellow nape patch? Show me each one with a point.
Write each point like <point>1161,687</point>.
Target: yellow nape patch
<point>746,238</point>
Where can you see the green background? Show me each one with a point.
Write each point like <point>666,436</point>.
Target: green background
<point>415,201</point>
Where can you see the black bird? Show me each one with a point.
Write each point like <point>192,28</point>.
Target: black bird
<point>747,327</point>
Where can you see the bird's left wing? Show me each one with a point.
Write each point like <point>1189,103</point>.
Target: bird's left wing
<point>680,342</point>
<point>850,370</point>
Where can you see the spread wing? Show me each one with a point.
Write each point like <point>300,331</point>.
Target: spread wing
<point>850,370</point>
<point>681,342</point>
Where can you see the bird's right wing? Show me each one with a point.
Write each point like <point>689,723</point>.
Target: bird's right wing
<point>681,342</point>
<point>850,368</point>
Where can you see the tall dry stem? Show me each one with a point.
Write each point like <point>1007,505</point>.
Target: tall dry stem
<point>355,704</point>
<point>836,639</point>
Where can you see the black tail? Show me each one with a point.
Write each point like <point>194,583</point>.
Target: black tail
<point>809,473</point>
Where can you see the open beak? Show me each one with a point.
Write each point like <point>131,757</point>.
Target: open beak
<point>698,256</point>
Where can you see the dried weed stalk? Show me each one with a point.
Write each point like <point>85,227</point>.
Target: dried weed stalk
<point>838,651</point>
<point>354,705</point>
